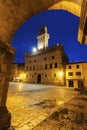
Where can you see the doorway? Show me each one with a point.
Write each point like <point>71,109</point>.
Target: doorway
<point>71,83</point>
<point>80,83</point>
<point>39,78</point>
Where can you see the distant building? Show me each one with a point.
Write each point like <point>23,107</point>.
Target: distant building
<point>17,72</point>
<point>76,74</point>
<point>46,65</point>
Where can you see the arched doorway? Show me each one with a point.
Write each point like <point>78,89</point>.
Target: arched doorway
<point>39,78</point>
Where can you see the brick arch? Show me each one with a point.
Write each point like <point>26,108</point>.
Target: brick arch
<point>14,13</point>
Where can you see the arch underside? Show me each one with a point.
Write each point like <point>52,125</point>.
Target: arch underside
<point>71,7</point>
<point>14,13</point>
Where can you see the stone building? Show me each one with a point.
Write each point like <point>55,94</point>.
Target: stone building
<point>76,74</point>
<point>17,72</point>
<point>47,64</point>
<point>14,13</point>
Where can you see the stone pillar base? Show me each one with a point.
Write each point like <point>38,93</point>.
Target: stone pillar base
<point>5,120</point>
<point>11,128</point>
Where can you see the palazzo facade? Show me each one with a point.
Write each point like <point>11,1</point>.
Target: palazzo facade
<point>47,64</point>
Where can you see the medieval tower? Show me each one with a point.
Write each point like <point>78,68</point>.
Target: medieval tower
<point>43,38</point>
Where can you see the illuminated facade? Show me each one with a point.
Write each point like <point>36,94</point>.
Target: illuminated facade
<point>76,74</point>
<point>47,64</point>
<point>43,38</point>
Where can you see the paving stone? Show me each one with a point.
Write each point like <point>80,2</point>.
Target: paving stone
<point>26,116</point>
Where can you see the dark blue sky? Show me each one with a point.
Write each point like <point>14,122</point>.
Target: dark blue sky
<point>62,27</point>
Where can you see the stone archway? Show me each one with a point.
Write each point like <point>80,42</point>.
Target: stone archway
<point>13,13</point>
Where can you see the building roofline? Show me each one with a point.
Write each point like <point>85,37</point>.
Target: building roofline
<point>77,62</point>
<point>45,50</point>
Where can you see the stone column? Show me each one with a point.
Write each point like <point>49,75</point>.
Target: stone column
<point>6,58</point>
<point>82,32</point>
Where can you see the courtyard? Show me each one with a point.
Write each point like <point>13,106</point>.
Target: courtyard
<point>32,106</point>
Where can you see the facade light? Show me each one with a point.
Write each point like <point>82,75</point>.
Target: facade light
<point>34,49</point>
<point>61,74</point>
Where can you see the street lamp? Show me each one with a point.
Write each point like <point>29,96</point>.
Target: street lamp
<point>22,76</point>
<point>34,49</point>
<point>60,77</point>
<point>61,74</point>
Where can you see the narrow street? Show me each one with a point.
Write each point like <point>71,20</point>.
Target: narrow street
<point>31,104</point>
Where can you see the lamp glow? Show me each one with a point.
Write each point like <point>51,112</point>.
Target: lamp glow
<point>61,74</point>
<point>34,49</point>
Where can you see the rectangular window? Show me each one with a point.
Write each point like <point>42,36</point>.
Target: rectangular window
<point>54,75</point>
<point>77,66</point>
<point>50,65</point>
<point>45,58</point>
<point>69,66</point>
<point>45,75</point>
<point>46,66</point>
<point>78,73</point>
<point>70,74</point>
<point>34,60</point>
<point>52,57</point>
<point>55,65</point>
<point>71,83</point>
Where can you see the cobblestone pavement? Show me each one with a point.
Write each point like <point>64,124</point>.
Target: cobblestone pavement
<point>31,104</point>
<point>70,116</point>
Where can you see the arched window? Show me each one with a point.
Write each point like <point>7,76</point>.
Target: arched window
<point>46,66</point>
<point>50,65</point>
<point>55,65</point>
<point>33,67</point>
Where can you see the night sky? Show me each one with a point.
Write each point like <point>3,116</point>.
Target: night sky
<point>62,27</point>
